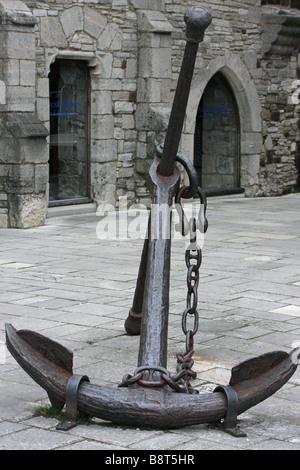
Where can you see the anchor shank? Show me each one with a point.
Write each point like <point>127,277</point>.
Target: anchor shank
<point>197,20</point>
<point>153,340</point>
<point>177,116</point>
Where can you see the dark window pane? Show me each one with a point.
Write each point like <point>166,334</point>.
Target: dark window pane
<point>68,130</point>
<point>217,137</point>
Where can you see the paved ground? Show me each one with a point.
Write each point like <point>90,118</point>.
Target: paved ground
<point>62,281</point>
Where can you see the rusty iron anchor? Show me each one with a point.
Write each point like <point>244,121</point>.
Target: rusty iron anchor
<point>151,397</point>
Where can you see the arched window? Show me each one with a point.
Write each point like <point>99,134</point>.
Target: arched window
<point>69,132</point>
<point>217,138</point>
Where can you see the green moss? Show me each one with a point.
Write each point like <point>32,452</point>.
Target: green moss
<point>49,412</point>
<point>52,412</point>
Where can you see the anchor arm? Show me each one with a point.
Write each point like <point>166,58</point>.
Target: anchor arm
<point>253,381</point>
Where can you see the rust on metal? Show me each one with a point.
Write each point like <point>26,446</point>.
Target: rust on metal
<point>153,397</point>
<point>159,407</point>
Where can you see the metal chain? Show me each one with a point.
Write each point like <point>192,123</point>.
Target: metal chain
<point>193,259</point>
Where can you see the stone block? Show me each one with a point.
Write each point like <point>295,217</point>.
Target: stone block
<point>104,172</point>
<point>105,68</point>
<point>9,152</point>
<point>250,58</point>
<point>25,125</point>
<point>94,22</point>
<point>149,40</point>
<point>41,177</point>
<point>52,34</point>
<point>124,107</point>
<point>33,151</point>
<point>139,4</point>
<point>153,21</point>
<point>149,90</point>
<point>20,45</point>
<point>101,102</point>
<point>254,14</point>
<point>152,117</point>
<point>17,13</point>
<point>155,63</point>
<point>128,121</point>
<point>13,5</point>
<point>250,170</point>
<point>103,182</point>
<point>3,54</point>
<point>21,178</point>
<point>43,87</point>
<point>27,210</point>
<point>251,143</point>
<point>2,92</point>
<point>20,99</point>
<point>3,218</point>
<point>27,72</point>
<point>72,20</point>
<point>107,37</point>
<point>104,151</point>
<point>42,108</point>
<point>131,68</point>
<point>11,71</point>
<point>102,127</point>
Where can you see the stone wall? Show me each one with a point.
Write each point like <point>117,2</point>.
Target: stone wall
<point>244,43</point>
<point>134,49</point>
<point>104,35</point>
<point>23,149</point>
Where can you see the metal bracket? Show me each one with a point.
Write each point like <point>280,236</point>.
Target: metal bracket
<point>230,421</point>
<point>71,402</point>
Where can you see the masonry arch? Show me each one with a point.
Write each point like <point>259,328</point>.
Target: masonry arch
<point>237,75</point>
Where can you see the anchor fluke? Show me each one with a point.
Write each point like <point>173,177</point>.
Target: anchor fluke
<point>47,362</point>
<point>262,376</point>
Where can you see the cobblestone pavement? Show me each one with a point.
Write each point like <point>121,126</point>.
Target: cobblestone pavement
<point>65,283</point>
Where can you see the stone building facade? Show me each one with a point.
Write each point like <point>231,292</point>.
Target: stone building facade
<point>86,88</point>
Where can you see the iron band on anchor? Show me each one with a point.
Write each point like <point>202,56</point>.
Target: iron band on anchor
<point>230,420</point>
<point>71,402</point>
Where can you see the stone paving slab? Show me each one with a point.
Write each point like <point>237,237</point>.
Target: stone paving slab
<point>63,282</point>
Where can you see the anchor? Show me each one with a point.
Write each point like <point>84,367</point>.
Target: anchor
<point>152,397</point>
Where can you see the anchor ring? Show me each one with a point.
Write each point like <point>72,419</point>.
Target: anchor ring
<point>192,189</point>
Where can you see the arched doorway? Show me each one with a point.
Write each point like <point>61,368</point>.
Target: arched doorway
<point>69,132</point>
<point>217,138</point>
